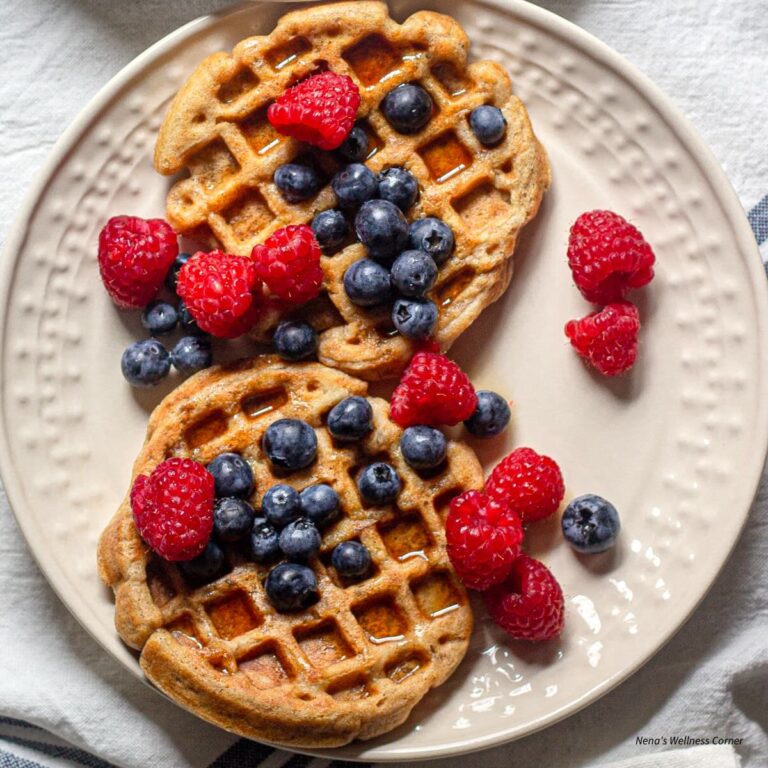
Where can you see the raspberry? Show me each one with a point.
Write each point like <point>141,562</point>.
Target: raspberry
<point>483,538</point>
<point>221,292</point>
<point>607,339</point>
<point>608,256</point>
<point>173,508</point>
<point>289,263</point>
<point>134,257</point>
<point>529,605</point>
<point>433,391</point>
<point>531,483</point>
<point>320,110</point>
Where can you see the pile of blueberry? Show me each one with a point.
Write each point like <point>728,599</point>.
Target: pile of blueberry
<point>146,362</point>
<point>403,259</point>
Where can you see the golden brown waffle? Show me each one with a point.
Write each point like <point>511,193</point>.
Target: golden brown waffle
<point>351,666</point>
<point>217,130</point>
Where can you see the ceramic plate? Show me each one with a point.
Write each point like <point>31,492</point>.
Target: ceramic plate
<point>678,445</point>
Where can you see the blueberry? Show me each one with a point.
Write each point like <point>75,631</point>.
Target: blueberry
<point>300,539</point>
<point>354,185</point>
<point>192,353</point>
<point>145,363</point>
<point>330,228</point>
<point>433,236</point>
<point>351,559</point>
<point>399,187</point>
<point>367,283</point>
<point>187,322</point>
<point>350,419</point>
<point>264,541</point>
<point>291,587</point>
<point>159,317</point>
<point>281,505</point>
<point>414,273</point>
<point>590,524</point>
<point>173,272</point>
<point>232,474</point>
<point>407,108</point>
<point>354,148</point>
<point>207,566</point>
<point>297,182</point>
<point>415,318</point>
<point>379,483</point>
<point>290,444</point>
<point>232,518</point>
<point>491,415</point>
<point>294,340</point>
<point>381,228</point>
<point>488,124</point>
<point>423,447</point>
<point>319,503</point>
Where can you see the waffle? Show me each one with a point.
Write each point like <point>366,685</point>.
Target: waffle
<point>217,131</point>
<point>354,664</point>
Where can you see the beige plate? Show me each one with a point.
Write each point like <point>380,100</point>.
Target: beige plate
<point>678,445</point>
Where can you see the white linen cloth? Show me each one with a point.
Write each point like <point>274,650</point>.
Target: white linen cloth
<point>710,681</point>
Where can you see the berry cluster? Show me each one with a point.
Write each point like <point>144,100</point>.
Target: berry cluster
<point>608,257</point>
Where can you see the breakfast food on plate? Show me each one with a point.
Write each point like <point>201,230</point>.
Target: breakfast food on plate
<point>391,150</point>
<point>280,561</point>
<point>590,524</point>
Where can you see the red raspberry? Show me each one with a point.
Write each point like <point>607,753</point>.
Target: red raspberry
<point>433,390</point>
<point>173,508</point>
<point>529,605</point>
<point>134,257</point>
<point>320,110</point>
<point>531,483</point>
<point>289,263</point>
<point>608,256</point>
<point>607,339</point>
<point>483,538</point>
<point>221,291</point>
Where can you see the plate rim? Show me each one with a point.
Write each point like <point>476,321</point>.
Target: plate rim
<point>674,119</point>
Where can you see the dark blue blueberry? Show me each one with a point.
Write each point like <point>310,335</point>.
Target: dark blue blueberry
<point>192,353</point>
<point>173,272</point>
<point>423,447</point>
<point>590,524</point>
<point>294,340</point>
<point>367,283</point>
<point>281,505</point>
<point>232,474</point>
<point>379,483</point>
<point>415,318</point>
<point>206,566</point>
<point>381,228</point>
<point>297,182</point>
<point>354,185</point>
<point>300,539</point>
<point>264,541</point>
<point>232,518</point>
<point>413,273</point>
<point>433,236</point>
<point>159,317</point>
<point>145,363</point>
<point>351,559</point>
<point>407,108</point>
<point>187,322</point>
<point>354,149</point>
<point>488,124</point>
<point>319,503</point>
<point>491,415</point>
<point>291,587</point>
<point>350,419</point>
<point>290,444</point>
<point>330,228</point>
<point>399,187</point>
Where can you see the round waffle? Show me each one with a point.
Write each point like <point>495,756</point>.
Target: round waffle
<point>354,664</point>
<point>217,131</point>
